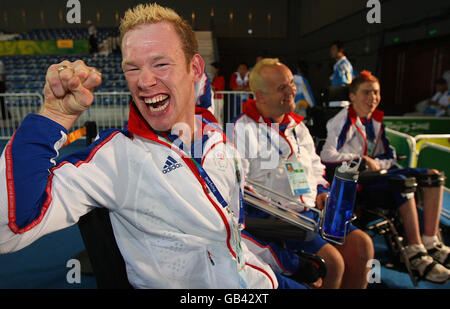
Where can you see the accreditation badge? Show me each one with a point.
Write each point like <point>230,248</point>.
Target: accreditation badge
<point>240,260</point>
<point>296,175</point>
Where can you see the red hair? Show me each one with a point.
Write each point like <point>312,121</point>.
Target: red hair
<point>364,76</point>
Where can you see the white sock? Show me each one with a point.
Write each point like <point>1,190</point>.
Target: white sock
<point>428,241</point>
<point>412,250</point>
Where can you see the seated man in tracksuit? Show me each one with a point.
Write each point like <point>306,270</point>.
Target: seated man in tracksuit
<point>169,179</point>
<point>358,132</point>
<point>204,93</point>
<point>267,135</point>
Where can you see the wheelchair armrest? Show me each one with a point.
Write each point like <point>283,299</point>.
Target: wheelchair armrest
<point>402,184</point>
<point>369,177</point>
<point>272,229</point>
<point>431,180</point>
<point>396,183</point>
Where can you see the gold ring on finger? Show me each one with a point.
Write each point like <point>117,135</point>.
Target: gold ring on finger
<point>62,67</point>
<point>95,71</point>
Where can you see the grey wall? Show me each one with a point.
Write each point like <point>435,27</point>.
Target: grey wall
<point>106,9</point>
<point>298,29</point>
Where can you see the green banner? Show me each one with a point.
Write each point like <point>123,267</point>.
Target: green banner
<point>418,125</point>
<point>436,157</point>
<point>48,47</point>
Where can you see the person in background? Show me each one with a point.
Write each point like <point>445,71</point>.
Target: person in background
<point>343,73</point>
<point>239,81</point>
<point>439,103</point>
<point>218,84</point>
<point>218,80</point>
<point>92,37</point>
<point>204,94</point>
<point>304,97</point>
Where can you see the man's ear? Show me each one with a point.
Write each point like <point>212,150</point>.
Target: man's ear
<point>259,96</point>
<point>197,67</point>
<point>351,96</point>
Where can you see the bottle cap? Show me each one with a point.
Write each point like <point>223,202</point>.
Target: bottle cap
<point>349,171</point>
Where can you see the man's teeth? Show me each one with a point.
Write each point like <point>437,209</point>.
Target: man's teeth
<point>155,100</point>
<point>160,108</point>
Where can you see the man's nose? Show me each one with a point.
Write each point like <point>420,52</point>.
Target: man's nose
<point>146,79</point>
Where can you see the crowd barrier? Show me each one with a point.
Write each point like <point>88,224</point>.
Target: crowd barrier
<point>423,150</point>
<point>440,139</point>
<point>405,146</point>
<point>228,104</point>
<point>13,109</point>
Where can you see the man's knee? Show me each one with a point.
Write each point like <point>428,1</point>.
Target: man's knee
<point>432,171</point>
<point>361,245</point>
<point>333,260</point>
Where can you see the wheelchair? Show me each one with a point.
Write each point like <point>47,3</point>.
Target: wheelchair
<point>375,212</point>
<point>371,206</point>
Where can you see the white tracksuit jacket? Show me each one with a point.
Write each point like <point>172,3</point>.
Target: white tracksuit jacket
<point>347,139</point>
<point>264,158</point>
<point>171,229</point>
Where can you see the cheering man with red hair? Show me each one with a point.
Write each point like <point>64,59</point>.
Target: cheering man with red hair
<point>358,132</point>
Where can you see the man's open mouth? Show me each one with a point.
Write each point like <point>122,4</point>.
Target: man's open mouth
<point>157,103</point>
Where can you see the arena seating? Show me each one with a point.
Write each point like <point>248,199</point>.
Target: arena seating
<point>67,33</point>
<point>26,74</point>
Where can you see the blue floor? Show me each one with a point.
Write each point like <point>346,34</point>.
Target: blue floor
<point>43,264</point>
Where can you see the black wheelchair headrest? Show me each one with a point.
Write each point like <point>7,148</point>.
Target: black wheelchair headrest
<point>334,93</point>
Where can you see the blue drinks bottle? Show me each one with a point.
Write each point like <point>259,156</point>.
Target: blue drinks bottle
<point>338,212</point>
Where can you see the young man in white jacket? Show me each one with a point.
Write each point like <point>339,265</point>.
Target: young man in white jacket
<point>268,135</point>
<point>169,179</point>
<point>358,131</point>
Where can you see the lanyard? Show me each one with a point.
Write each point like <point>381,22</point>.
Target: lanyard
<point>370,132</point>
<point>212,187</point>
<point>296,140</point>
<point>241,196</point>
<point>270,141</point>
<point>370,137</point>
<point>204,175</point>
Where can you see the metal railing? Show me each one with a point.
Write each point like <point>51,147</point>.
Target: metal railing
<point>411,145</point>
<point>13,109</point>
<point>109,110</point>
<point>229,104</point>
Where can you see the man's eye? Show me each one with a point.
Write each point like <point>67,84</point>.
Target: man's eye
<point>159,65</point>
